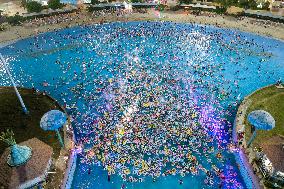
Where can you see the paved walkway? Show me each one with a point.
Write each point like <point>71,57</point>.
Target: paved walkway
<point>250,178</point>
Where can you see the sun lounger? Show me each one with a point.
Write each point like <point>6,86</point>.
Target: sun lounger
<point>279,86</point>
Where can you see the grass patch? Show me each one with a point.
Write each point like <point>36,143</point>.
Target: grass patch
<point>271,100</point>
<point>26,126</point>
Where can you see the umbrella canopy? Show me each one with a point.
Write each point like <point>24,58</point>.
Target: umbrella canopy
<point>19,155</point>
<point>261,120</point>
<point>53,120</point>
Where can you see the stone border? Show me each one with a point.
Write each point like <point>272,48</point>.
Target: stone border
<point>251,180</point>
<point>71,167</point>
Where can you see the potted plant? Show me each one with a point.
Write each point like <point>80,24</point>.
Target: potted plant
<point>19,155</point>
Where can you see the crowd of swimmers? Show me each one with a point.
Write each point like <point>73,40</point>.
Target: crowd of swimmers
<point>147,100</point>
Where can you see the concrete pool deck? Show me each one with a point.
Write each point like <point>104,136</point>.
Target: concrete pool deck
<point>82,17</point>
<point>246,169</point>
<point>67,163</point>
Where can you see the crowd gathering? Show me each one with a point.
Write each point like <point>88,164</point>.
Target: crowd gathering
<point>148,99</point>
<point>155,108</point>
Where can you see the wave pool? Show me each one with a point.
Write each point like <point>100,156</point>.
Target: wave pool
<point>152,103</point>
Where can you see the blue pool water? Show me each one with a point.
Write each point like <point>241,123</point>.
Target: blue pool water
<point>149,97</point>
<point>73,2</point>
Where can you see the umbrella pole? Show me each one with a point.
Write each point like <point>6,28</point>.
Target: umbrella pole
<point>252,138</point>
<point>25,110</point>
<point>60,139</point>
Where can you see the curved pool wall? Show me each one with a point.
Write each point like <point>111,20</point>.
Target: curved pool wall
<point>250,179</point>
<point>32,62</point>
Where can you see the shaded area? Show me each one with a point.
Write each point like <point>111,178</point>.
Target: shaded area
<point>26,127</point>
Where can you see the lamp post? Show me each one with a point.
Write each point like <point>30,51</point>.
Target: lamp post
<point>14,85</point>
<point>252,138</point>
<point>261,120</point>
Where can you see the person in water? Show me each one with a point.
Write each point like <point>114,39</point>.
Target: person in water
<point>152,109</point>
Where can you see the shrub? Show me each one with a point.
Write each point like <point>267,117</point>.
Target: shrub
<point>185,1</point>
<point>94,2</point>
<point>24,3</point>
<point>2,27</point>
<point>136,1</point>
<point>174,8</point>
<point>160,7</point>
<point>3,19</point>
<point>33,6</point>
<point>55,4</point>
<point>252,4</point>
<point>244,4</point>
<point>92,9</point>
<point>266,5</point>
<point>15,20</point>
<point>248,4</point>
<point>227,3</point>
<point>220,10</point>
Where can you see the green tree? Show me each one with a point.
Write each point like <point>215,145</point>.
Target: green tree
<point>185,1</point>
<point>136,1</point>
<point>266,5</point>
<point>252,4</point>
<point>244,4</point>
<point>248,4</point>
<point>55,4</point>
<point>227,3</point>
<point>15,20</point>
<point>24,3</point>
<point>94,2</point>
<point>2,27</point>
<point>33,6</point>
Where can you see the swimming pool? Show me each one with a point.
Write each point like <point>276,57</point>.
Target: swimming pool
<point>152,103</point>
<point>73,2</point>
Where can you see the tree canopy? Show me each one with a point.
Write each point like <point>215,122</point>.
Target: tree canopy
<point>55,4</point>
<point>33,6</point>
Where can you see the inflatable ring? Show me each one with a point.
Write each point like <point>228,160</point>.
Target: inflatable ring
<point>127,171</point>
<point>193,170</point>
<point>136,163</point>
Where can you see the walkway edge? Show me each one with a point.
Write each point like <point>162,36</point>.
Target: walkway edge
<point>251,180</point>
<point>72,159</point>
